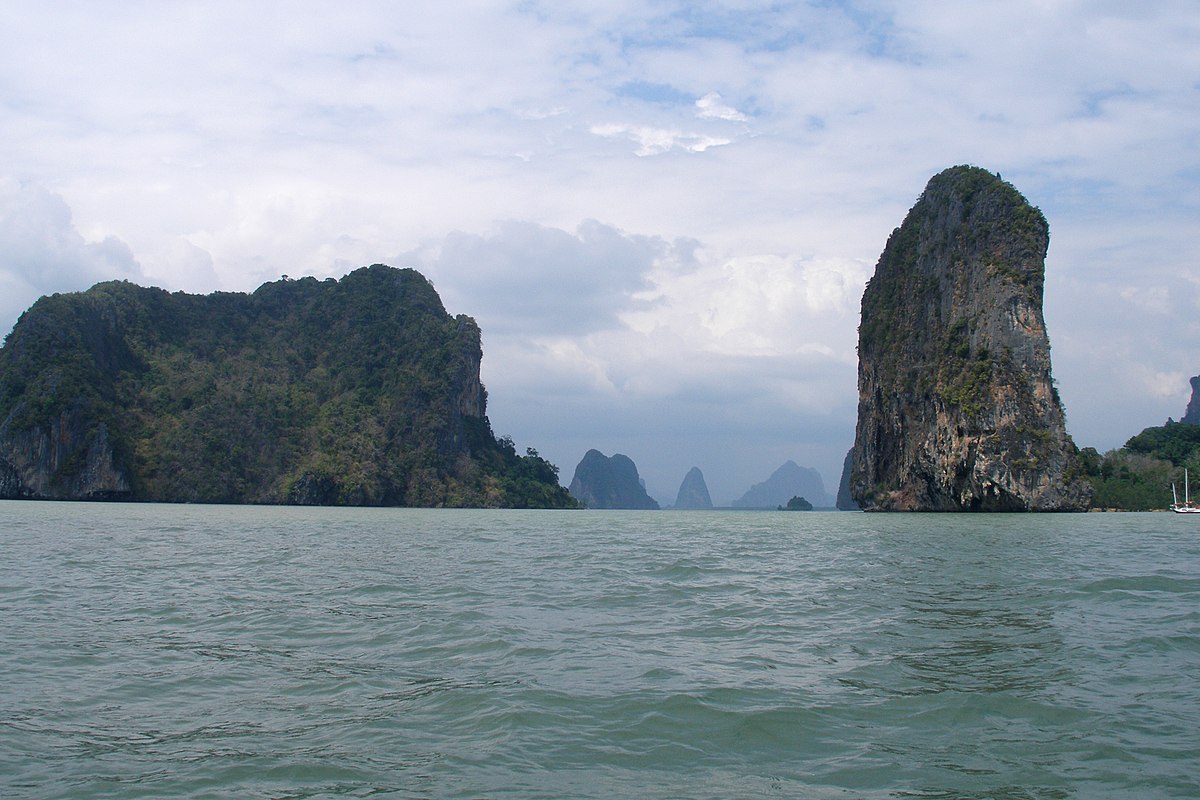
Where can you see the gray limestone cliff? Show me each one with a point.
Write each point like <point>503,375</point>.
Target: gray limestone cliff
<point>604,482</point>
<point>845,501</point>
<point>65,459</point>
<point>1192,415</point>
<point>957,409</point>
<point>693,492</point>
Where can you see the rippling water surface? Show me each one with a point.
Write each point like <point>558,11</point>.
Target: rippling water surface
<point>234,652</point>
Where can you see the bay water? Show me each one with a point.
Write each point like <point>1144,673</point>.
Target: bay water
<point>265,652</point>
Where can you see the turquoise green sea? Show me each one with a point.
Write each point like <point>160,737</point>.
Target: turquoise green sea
<point>152,651</point>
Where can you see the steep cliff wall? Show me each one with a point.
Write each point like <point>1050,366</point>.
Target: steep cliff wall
<point>1191,415</point>
<point>957,408</point>
<point>65,459</point>
<point>845,500</point>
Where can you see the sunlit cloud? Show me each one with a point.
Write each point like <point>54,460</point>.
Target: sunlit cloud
<point>711,107</point>
<point>653,141</point>
<point>42,251</point>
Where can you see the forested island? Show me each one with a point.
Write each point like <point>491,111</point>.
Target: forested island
<point>359,391</point>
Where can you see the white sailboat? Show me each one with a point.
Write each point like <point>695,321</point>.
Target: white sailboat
<point>1187,506</point>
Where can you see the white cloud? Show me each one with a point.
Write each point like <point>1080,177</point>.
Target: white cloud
<point>630,339</point>
<point>540,281</point>
<point>711,107</point>
<point>653,141</point>
<point>42,252</point>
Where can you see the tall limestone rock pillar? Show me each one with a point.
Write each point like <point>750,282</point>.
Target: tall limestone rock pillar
<point>957,410</point>
<point>693,492</point>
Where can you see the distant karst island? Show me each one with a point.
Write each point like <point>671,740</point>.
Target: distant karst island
<point>693,492</point>
<point>784,484</point>
<point>612,482</point>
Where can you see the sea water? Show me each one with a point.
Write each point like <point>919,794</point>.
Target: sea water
<point>258,652</point>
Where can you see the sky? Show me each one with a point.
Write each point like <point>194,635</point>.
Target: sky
<point>662,214</point>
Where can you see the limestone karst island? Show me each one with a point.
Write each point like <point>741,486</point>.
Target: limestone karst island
<point>957,410</point>
<point>362,391</point>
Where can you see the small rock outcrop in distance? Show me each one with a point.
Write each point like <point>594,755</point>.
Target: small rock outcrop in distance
<point>957,409</point>
<point>604,482</point>
<point>693,492</point>
<point>789,481</point>
<point>797,504</point>
<point>845,502</point>
<point>1192,415</point>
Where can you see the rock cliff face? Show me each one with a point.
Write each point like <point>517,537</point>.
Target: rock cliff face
<point>603,482</point>
<point>693,492</point>
<point>845,501</point>
<point>957,410</point>
<point>790,480</point>
<point>362,391</point>
<point>1192,415</point>
<point>66,459</point>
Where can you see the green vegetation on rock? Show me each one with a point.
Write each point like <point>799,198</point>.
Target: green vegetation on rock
<point>362,391</point>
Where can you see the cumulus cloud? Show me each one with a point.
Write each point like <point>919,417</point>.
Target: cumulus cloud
<point>538,280</point>
<point>41,251</point>
<point>602,338</point>
<point>653,141</point>
<point>710,106</point>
